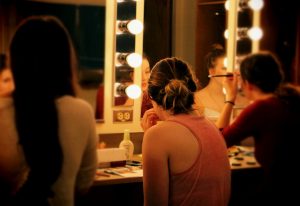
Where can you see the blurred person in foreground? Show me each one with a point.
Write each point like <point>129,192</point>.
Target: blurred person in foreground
<point>52,131</point>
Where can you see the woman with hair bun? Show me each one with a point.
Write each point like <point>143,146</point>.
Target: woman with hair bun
<point>184,156</point>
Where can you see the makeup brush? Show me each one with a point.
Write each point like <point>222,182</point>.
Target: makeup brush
<point>220,75</point>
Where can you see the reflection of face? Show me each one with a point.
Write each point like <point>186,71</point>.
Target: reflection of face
<point>6,83</point>
<point>145,74</point>
<point>218,69</point>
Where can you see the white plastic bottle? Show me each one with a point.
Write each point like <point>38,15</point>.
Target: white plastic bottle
<point>127,144</point>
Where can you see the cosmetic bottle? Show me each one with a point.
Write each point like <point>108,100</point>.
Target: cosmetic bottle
<point>127,144</point>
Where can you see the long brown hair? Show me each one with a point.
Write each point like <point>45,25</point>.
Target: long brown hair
<point>42,61</point>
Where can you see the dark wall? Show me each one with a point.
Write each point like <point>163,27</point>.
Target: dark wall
<point>86,25</point>
<point>157,29</point>
<point>279,22</point>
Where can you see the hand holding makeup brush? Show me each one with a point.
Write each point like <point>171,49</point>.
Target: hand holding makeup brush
<point>230,85</point>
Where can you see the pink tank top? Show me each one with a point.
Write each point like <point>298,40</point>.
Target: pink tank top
<point>207,181</point>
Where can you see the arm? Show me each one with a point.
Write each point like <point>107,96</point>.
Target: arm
<point>230,84</point>
<point>155,169</point>
<point>250,122</point>
<point>89,161</point>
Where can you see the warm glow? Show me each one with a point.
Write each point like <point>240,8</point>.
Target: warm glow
<point>132,26</point>
<point>256,5</point>
<point>120,1</point>
<point>134,60</point>
<point>227,5</point>
<point>135,26</point>
<point>226,34</point>
<point>133,91</point>
<point>255,33</point>
<point>225,62</point>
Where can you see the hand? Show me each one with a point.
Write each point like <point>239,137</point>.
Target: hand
<point>230,85</point>
<point>149,119</point>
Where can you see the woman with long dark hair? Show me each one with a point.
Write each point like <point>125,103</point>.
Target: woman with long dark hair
<point>56,130</point>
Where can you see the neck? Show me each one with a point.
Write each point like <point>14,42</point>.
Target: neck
<point>165,114</point>
<point>261,96</point>
<point>215,87</point>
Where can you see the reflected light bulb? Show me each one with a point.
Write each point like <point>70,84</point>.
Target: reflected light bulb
<point>256,5</point>
<point>133,91</point>
<point>134,60</point>
<point>226,34</point>
<point>227,5</point>
<point>135,26</point>
<point>255,33</point>
<point>225,62</point>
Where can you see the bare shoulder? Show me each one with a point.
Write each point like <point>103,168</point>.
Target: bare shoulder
<point>165,131</point>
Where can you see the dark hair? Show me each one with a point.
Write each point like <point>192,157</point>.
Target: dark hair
<point>3,63</point>
<point>42,57</point>
<point>263,70</point>
<point>172,86</point>
<point>216,51</point>
<point>290,95</point>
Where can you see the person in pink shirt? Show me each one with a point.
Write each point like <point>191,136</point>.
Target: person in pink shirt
<point>184,156</point>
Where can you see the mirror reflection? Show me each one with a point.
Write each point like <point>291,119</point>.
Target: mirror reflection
<point>126,58</point>
<point>85,21</point>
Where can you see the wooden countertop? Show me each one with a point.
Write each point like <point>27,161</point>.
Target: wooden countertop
<point>240,158</point>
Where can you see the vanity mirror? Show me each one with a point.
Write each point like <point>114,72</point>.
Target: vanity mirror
<point>85,21</point>
<point>126,60</point>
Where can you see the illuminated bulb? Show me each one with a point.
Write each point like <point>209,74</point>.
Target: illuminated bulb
<point>226,34</point>
<point>255,33</point>
<point>132,26</point>
<point>135,26</point>
<point>256,5</point>
<point>227,5</point>
<point>133,91</point>
<point>132,59</point>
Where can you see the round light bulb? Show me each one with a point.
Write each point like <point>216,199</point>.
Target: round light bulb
<point>133,91</point>
<point>227,5</point>
<point>226,34</point>
<point>255,33</point>
<point>134,60</point>
<point>256,5</point>
<point>135,26</point>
